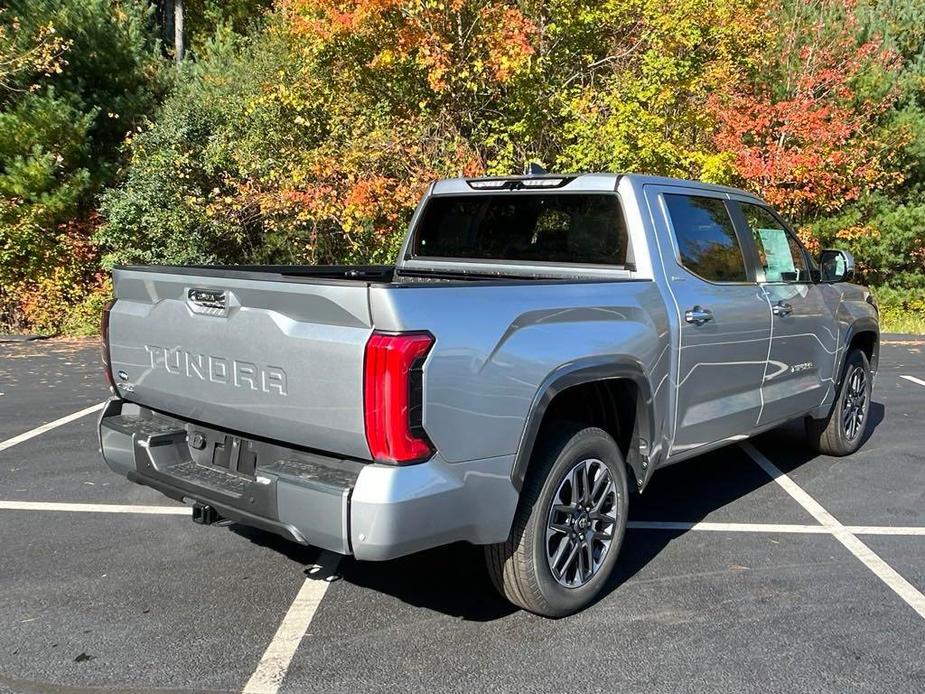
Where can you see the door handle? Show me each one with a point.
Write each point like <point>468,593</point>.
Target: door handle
<point>782,308</point>
<point>698,315</point>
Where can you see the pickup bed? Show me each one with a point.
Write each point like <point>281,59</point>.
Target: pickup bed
<point>542,346</point>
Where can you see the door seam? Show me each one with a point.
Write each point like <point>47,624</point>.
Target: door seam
<point>768,359</point>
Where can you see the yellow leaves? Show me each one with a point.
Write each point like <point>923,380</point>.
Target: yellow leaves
<point>510,41</point>
<point>44,55</point>
<point>857,231</point>
<point>462,46</point>
<point>717,167</point>
<point>384,59</point>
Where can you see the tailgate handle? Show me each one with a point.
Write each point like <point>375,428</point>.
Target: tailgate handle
<point>212,302</point>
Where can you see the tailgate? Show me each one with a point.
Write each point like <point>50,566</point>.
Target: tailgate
<point>275,358</point>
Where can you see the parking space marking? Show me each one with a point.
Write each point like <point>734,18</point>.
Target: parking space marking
<point>727,527</point>
<point>48,427</point>
<point>774,528</point>
<point>865,554</point>
<point>707,526</point>
<point>274,664</point>
<point>94,508</point>
<point>884,530</point>
<point>914,380</point>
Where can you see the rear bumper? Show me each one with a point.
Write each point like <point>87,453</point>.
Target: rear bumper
<point>374,512</point>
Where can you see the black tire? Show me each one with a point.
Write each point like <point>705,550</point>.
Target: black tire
<point>834,435</point>
<point>520,567</point>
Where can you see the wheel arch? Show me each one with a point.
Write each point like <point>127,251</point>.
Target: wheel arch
<point>863,333</point>
<point>613,375</point>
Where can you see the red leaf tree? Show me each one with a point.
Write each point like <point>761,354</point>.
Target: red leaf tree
<point>803,126</point>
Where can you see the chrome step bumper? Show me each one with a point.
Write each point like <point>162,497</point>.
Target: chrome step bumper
<point>375,512</point>
<point>298,495</point>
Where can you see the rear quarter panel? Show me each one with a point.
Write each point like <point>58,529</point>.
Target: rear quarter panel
<point>497,344</point>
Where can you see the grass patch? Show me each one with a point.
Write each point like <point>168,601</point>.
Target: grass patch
<point>912,324</point>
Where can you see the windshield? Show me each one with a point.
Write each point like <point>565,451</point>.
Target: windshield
<point>524,227</point>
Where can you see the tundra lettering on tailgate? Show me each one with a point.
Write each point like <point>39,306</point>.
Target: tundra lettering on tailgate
<point>232,372</point>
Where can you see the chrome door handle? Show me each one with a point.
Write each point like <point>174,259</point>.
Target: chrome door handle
<point>782,308</point>
<point>698,315</point>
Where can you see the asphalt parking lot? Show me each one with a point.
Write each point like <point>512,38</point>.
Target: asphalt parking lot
<point>730,580</point>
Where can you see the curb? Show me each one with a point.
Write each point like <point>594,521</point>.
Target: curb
<point>23,338</point>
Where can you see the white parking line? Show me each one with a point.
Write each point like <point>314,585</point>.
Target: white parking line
<point>774,528</point>
<point>868,557</point>
<point>884,530</point>
<point>707,526</point>
<point>914,380</point>
<point>48,427</point>
<point>728,527</point>
<point>93,508</point>
<point>274,664</point>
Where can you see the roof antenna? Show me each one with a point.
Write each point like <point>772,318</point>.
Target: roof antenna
<point>534,169</point>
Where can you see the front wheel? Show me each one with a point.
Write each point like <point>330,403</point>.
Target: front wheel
<point>568,527</point>
<point>842,431</point>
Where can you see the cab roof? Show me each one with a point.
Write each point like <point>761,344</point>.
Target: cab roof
<point>571,182</point>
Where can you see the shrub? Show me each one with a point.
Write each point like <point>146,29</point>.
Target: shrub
<point>44,301</point>
<point>44,180</point>
<point>84,317</point>
<point>183,164</point>
<point>75,76</point>
<point>886,236</point>
<point>901,310</point>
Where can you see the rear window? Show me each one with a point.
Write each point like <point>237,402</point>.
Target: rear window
<point>706,238</point>
<point>560,228</point>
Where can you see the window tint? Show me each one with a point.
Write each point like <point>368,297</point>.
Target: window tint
<point>706,238</point>
<point>778,252</point>
<point>564,228</point>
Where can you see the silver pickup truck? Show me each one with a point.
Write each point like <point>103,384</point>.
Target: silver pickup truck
<point>543,345</point>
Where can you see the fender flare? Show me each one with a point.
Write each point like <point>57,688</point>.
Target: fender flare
<point>581,372</point>
<point>865,324</point>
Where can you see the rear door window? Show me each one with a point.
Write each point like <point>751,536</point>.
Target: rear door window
<point>584,228</point>
<point>706,238</point>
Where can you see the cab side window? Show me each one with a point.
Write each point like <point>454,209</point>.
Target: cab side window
<point>779,253</point>
<point>707,242</point>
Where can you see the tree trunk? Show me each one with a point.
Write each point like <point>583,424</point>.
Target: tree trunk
<point>178,47</point>
<point>167,14</point>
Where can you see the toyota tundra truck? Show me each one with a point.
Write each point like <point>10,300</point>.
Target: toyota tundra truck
<point>542,346</point>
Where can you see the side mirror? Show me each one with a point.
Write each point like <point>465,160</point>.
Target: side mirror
<point>836,266</point>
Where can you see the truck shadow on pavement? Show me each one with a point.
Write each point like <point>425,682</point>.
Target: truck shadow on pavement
<point>452,580</point>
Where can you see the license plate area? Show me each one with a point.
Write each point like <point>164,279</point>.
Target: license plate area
<point>224,452</point>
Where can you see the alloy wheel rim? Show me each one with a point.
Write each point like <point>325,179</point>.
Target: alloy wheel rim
<point>855,403</point>
<point>581,523</point>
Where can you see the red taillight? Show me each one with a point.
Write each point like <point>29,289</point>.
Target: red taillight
<point>392,389</point>
<point>104,346</point>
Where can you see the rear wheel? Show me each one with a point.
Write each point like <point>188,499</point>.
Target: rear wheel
<point>842,431</point>
<point>569,524</point>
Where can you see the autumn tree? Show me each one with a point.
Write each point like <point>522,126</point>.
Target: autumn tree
<point>312,139</point>
<point>638,101</point>
<point>75,75</point>
<point>802,123</point>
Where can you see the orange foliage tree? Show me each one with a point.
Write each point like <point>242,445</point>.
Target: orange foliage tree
<point>384,97</point>
<point>803,124</point>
